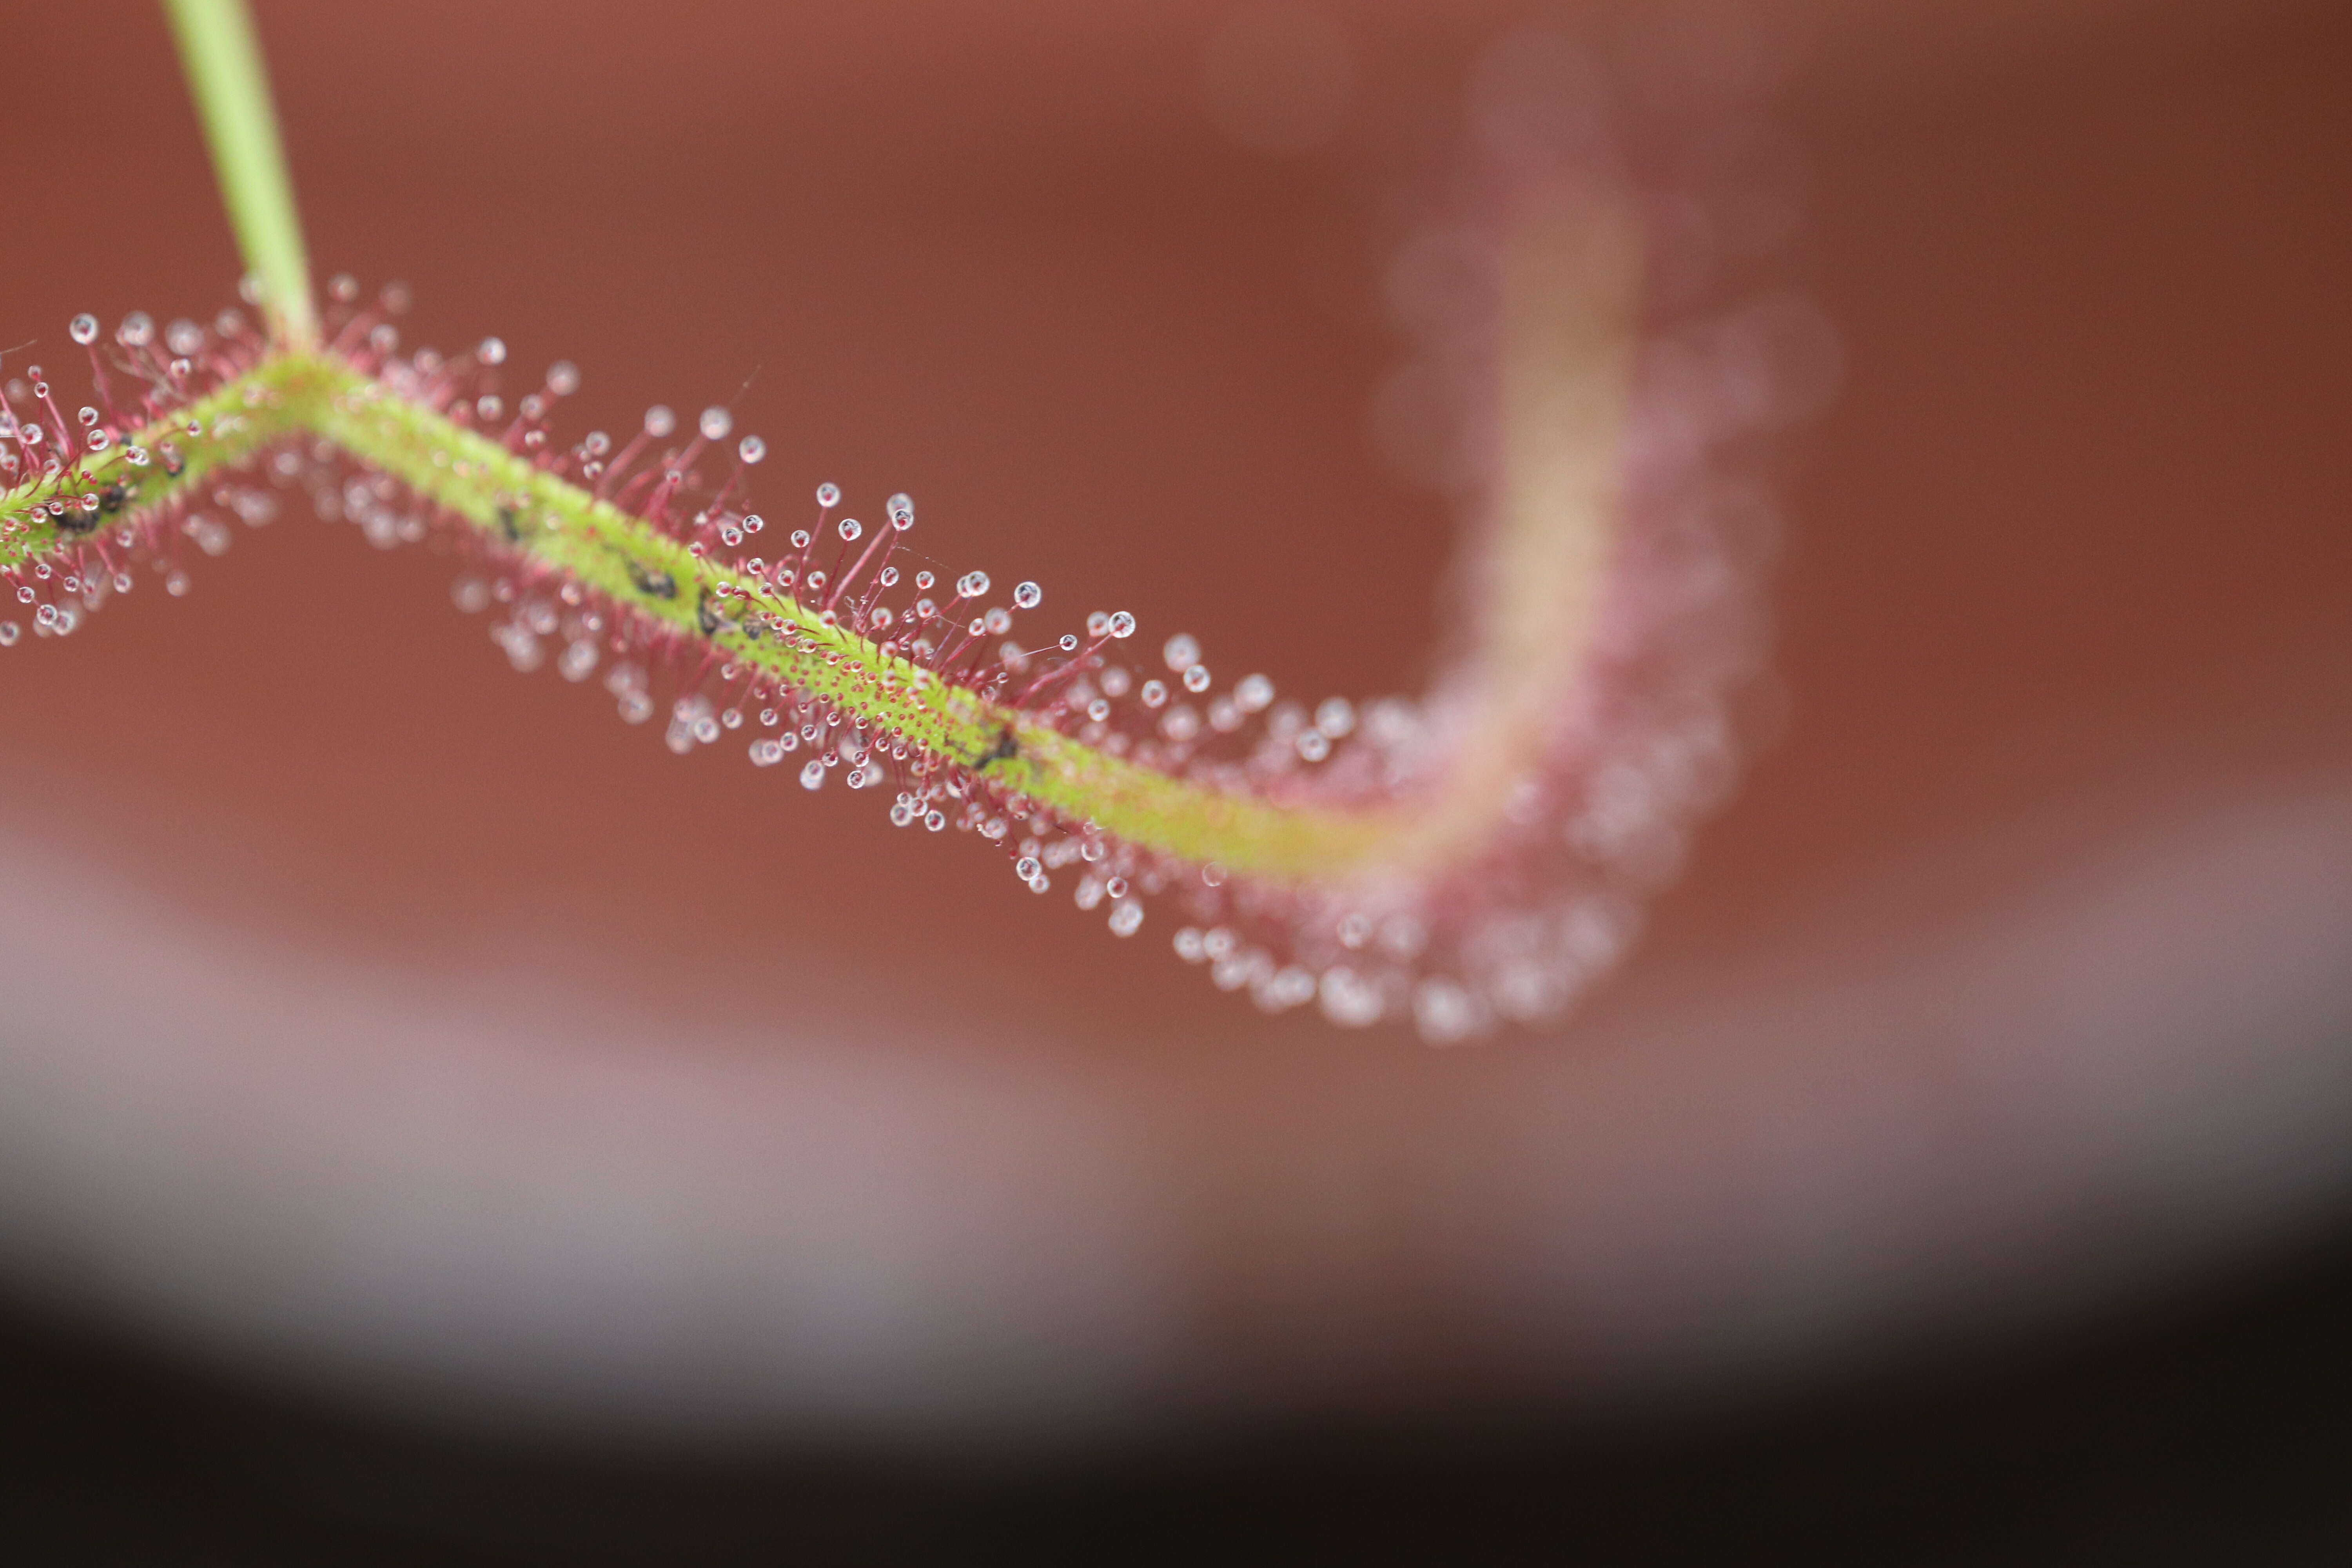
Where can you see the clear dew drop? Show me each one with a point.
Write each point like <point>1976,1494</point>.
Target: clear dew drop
<point>1028,595</point>
<point>1233,974</point>
<point>972,584</point>
<point>750,448</point>
<point>1285,989</point>
<point>523,649</point>
<point>1196,678</point>
<point>137,330</point>
<point>1447,1012</point>
<point>812,774</point>
<point>1068,643</point>
<point>849,527</point>
<point>902,508</point>
<point>1349,1000</point>
<point>83,329</point>
<point>1122,625</point>
<point>828,495</point>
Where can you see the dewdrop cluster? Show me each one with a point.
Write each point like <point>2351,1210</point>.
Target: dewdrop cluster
<point>1169,713</point>
<point>806,636</point>
<point>63,557</point>
<point>1648,736</point>
<point>1511,933</point>
<point>1167,710</point>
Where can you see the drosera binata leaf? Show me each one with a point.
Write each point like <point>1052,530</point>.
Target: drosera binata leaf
<point>1475,856</point>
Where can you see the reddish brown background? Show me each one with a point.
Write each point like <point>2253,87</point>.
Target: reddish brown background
<point>2068,555</point>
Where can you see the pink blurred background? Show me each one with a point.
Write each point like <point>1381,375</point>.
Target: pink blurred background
<point>379,1017</point>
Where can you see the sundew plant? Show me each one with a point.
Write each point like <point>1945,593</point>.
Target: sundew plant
<point>1475,856</point>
